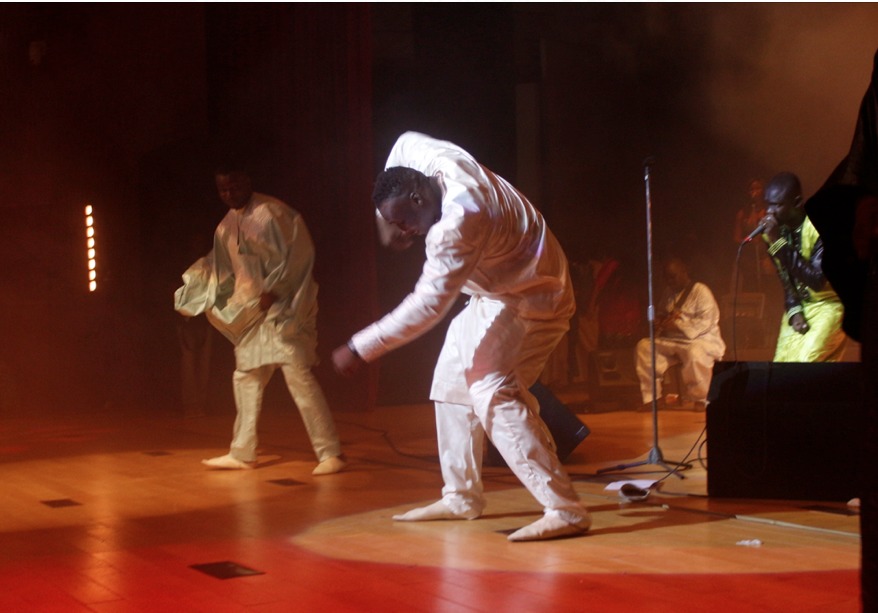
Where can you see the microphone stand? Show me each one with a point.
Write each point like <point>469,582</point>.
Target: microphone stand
<point>655,456</point>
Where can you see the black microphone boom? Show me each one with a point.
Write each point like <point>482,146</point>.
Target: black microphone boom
<point>759,230</point>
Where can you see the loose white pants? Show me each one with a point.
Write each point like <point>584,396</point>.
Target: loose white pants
<point>490,358</point>
<point>696,367</point>
<point>249,387</point>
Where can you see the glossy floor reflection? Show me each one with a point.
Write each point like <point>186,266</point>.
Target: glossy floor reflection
<point>140,514</point>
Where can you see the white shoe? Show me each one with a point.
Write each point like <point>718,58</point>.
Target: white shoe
<point>551,527</point>
<point>436,511</point>
<point>227,462</point>
<point>329,466</point>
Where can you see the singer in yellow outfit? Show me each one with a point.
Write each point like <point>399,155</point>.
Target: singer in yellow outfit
<point>811,329</point>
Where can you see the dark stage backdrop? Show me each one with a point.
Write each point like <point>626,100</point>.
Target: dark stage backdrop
<point>447,71</point>
<point>291,85</point>
<point>122,106</point>
<point>118,104</point>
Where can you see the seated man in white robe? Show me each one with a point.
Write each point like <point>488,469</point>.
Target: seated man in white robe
<point>686,333</point>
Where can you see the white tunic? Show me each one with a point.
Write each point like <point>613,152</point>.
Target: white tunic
<point>492,244</point>
<point>489,242</point>
<point>698,320</point>
<point>695,344</point>
<point>262,247</point>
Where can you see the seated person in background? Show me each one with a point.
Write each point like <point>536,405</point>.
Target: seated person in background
<point>811,329</point>
<point>686,333</point>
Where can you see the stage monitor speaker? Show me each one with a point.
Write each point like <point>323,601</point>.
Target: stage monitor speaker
<point>612,376</point>
<point>786,431</point>
<point>565,427</point>
<point>614,368</point>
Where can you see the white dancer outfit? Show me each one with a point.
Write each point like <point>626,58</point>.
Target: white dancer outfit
<point>492,244</point>
<point>696,346</point>
<point>263,247</point>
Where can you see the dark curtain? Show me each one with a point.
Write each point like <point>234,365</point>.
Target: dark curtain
<point>291,85</point>
<point>851,191</point>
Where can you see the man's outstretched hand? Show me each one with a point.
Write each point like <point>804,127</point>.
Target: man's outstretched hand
<point>345,361</point>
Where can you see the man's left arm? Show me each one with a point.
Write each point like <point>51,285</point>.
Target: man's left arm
<point>290,258</point>
<point>808,271</point>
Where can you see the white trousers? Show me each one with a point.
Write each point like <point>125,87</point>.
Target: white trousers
<point>490,359</point>
<point>249,387</point>
<point>696,367</point>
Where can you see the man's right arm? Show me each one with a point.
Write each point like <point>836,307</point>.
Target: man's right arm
<point>445,271</point>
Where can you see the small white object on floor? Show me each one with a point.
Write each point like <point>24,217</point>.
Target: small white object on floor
<point>636,490</point>
<point>643,484</point>
<point>750,543</point>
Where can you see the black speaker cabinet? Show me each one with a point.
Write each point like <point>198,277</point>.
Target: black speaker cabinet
<point>565,427</point>
<point>613,368</point>
<point>787,431</point>
<point>612,378</point>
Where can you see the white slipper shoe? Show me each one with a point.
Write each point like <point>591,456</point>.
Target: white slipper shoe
<point>329,466</point>
<point>433,512</point>
<point>227,462</point>
<point>551,527</point>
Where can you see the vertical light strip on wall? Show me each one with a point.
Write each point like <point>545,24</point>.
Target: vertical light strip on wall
<point>91,254</point>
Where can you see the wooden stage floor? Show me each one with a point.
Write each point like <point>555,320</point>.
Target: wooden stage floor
<point>112,511</point>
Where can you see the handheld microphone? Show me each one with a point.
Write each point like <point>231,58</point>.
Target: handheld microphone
<point>759,230</point>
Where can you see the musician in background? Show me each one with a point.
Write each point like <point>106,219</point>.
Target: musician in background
<point>686,333</point>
